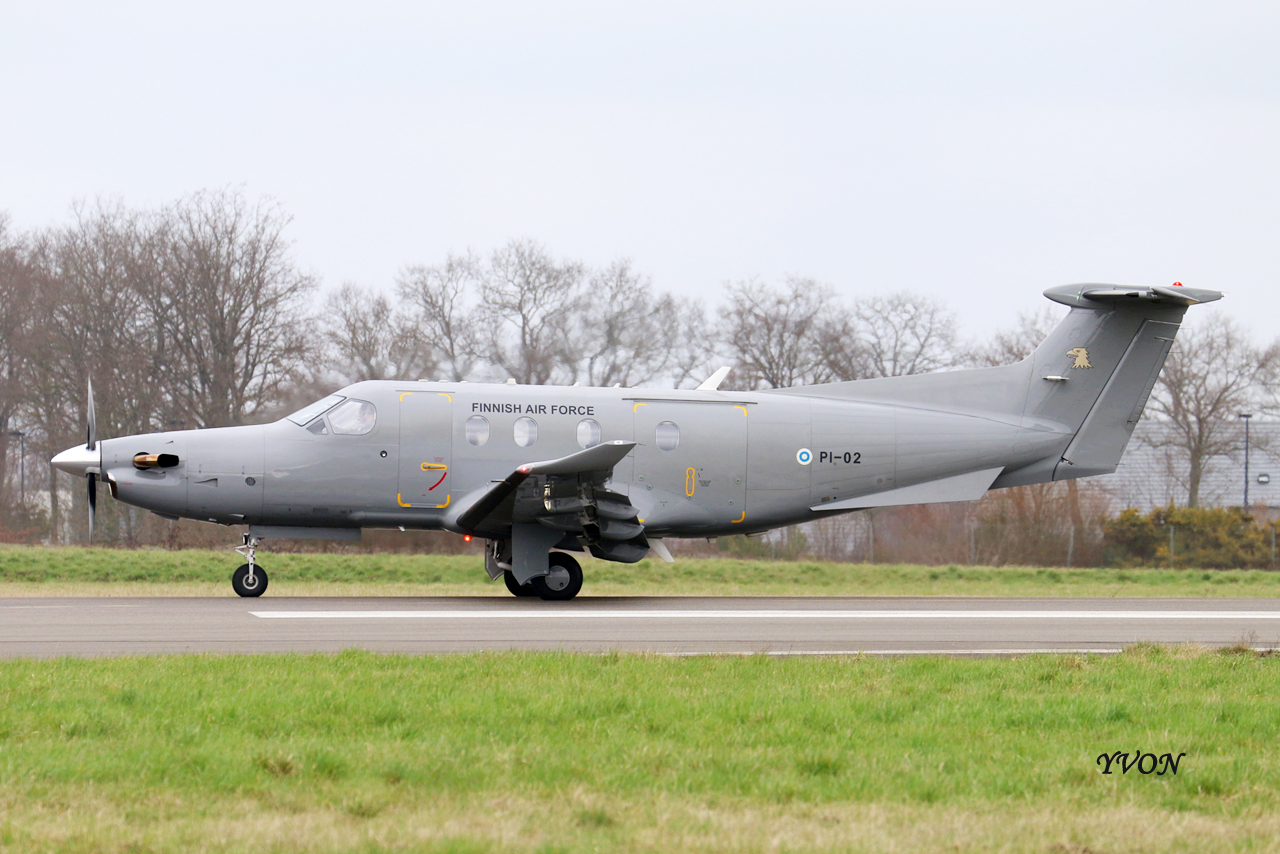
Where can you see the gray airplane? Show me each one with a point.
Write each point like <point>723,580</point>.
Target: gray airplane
<point>543,471</point>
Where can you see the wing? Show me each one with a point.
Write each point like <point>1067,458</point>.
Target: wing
<point>566,495</point>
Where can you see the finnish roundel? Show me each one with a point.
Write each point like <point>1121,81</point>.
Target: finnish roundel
<point>804,456</point>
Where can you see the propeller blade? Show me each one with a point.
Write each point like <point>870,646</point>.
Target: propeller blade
<point>93,502</point>
<point>92,443</point>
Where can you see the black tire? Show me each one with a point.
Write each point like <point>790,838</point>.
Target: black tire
<point>564,580</point>
<point>516,589</point>
<point>240,581</point>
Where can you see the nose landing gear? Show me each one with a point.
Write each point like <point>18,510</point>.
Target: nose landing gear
<point>250,579</point>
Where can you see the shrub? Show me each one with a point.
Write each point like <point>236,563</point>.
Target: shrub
<point>1215,537</point>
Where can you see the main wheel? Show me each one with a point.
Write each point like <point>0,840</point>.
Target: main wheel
<point>516,589</point>
<point>244,585</point>
<point>563,581</point>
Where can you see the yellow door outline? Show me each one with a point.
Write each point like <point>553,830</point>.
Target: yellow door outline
<point>429,466</point>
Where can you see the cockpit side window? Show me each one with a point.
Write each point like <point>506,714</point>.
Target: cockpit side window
<point>353,418</point>
<point>306,413</point>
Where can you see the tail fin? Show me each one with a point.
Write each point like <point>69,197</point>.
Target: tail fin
<point>1096,370</point>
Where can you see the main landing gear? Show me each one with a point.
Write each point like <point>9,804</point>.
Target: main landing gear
<point>561,584</point>
<point>250,579</point>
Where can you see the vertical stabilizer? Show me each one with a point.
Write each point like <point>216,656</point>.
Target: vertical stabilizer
<point>1094,373</point>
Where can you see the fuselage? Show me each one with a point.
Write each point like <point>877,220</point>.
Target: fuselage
<point>705,463</point>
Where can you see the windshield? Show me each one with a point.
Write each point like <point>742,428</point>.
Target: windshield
<point>353,418</point>
<point>306,413</point>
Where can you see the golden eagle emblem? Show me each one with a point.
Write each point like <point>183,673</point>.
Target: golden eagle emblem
<point>1081,355</point>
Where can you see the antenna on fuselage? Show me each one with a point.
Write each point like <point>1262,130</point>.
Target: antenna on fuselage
<point>712,382</point>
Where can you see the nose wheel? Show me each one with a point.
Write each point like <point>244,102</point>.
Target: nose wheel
<point>249,580</point>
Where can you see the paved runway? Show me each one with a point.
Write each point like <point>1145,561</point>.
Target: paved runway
<point>798,626</point>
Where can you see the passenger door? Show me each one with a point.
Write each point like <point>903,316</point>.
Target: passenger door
<point>426,449</point>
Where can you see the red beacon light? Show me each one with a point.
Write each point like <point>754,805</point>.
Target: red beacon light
<point>1177,284</point>
<point>466,538</point>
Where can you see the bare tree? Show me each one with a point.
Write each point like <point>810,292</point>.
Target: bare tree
<point>772,333</point>
<point>903,333</point>
<point>441,298</point>
<point>1213,373</point>
<point>239,324</point>
<point>369,340</point>
<point>17,291</point>
<point>91,321</point>
<point>694,356</point>
<point>1013,345</point>
<point>528,303</point>
<point>625,334</point>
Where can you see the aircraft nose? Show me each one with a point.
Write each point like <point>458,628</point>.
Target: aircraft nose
<point>78,460</point>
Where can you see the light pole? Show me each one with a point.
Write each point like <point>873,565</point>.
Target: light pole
<point>22,462</point>
<point>1246,416</point>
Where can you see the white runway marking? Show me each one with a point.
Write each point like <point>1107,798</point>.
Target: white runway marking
<point>783,653</point>
<point>563,615</point>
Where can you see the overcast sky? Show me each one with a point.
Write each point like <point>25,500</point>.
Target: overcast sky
<point>977,151</point>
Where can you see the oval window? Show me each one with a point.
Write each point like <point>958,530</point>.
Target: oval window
<point>588,433</point>
<point>353,418</point>
<point>526,431</point>
<point>667,436</point>
<point>477,430</point>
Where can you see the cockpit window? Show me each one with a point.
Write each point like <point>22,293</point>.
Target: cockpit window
<point>306,413</point>
<point>353,418</point>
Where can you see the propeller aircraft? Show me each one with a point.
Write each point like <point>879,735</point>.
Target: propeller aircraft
<point>544,472</point>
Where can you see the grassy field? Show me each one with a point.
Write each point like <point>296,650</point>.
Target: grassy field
<point>37,571</point>
<point>566,753</point>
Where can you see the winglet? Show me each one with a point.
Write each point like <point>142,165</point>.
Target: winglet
<point>712,382</point>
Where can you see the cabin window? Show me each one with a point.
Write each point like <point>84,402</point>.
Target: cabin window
<point>526,431</point>
<point>588,433</point>
<point>477,430</point>
<point>353,418</point>
<point>667,436</point>
<point>306,413</point>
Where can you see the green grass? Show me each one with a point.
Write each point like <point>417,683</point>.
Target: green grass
<point>561,752</point>
<point>51,571</point>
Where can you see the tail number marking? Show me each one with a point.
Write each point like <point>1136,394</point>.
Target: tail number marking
<point>846,457</point>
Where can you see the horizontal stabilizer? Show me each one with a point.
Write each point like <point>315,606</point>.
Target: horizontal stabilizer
<point>1109,296</point>
<point>961,487</point>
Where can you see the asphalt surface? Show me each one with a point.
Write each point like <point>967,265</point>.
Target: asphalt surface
<point>678,625</point>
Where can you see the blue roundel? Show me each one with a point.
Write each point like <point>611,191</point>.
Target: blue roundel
<point>804,456</point>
